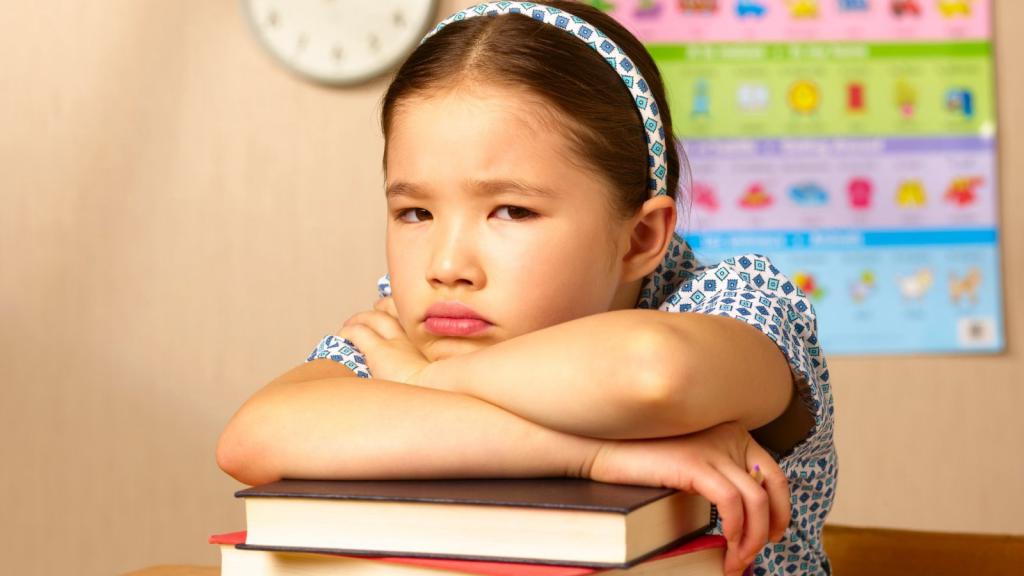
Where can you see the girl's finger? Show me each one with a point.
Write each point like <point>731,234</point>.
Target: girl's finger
<point>775,483</point>
<point>387,305</point>
<point>361,335</point>
<point>755,510</point>
<point>381,322</point>
<point>714,486</point>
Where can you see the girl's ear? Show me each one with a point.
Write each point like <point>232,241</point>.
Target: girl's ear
<point>650,233</point>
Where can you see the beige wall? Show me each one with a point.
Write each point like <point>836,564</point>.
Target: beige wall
<point>174,212</point>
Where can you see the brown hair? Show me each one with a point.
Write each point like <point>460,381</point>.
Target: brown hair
<point>605,129</point>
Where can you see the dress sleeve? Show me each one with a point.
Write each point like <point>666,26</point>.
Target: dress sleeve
<point>341,350</point>
<point>750,288</point>
<point>344,350</point>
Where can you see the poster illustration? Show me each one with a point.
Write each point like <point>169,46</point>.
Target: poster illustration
<point>852,142</point>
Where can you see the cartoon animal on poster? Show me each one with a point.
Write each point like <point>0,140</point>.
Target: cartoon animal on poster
<point>965,286</point>
<point>915,286</point>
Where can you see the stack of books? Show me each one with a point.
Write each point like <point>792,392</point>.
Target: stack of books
<point>497,527</point>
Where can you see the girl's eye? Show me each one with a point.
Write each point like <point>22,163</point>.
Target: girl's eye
<point>526,214</point>
<point>402,213</point>
<point>513,211</point>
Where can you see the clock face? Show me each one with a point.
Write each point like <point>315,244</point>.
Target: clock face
<point>340,41</point>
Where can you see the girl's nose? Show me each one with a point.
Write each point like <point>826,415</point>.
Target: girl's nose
<point>453,257</point>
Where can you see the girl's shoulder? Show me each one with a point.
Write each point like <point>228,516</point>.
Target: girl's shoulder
<point>683,283</point>
<point>750,288</point>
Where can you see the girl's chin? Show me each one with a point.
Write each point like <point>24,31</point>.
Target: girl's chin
<point>446,347</point>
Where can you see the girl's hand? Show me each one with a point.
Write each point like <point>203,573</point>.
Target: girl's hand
<point>714,463</point>
<point>389,353</point>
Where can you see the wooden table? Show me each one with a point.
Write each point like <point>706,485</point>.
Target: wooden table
<point>177,571</point>
<point>874,551</point>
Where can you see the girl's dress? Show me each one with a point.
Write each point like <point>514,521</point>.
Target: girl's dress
<point>749,288</point>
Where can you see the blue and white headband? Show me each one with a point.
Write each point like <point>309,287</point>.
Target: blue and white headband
<point>654,130</point>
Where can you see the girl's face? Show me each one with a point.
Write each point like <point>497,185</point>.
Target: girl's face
<point>459,229</point>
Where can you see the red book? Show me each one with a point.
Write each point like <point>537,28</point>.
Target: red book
<point>700,556</point>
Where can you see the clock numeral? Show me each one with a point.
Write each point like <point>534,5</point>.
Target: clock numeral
<point>374,42</point>
<point>301,42</point>
<point>398,19</point>
<point>273,19</point>
<point>337,53</point>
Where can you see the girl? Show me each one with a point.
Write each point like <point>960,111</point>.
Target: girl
<point>541,317</point>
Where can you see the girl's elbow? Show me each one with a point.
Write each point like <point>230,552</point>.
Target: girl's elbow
<point>241,458</point>
<point>656,374</point>
<point>230,457</point>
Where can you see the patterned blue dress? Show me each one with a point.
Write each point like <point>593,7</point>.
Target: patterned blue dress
<point>749,288</point>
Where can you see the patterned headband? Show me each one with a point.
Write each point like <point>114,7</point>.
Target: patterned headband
<point>654,131</point>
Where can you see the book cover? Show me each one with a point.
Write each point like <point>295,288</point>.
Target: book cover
<point>556,492</point>
<point>557,521</point>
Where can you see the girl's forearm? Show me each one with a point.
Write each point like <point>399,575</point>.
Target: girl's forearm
<point>353,428</point>
<point>595,376</point>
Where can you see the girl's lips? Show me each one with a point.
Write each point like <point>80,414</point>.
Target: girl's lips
<point>455,326</point>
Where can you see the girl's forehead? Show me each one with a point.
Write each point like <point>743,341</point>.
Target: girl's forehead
<point>487,110</point>
<point>481,135</point>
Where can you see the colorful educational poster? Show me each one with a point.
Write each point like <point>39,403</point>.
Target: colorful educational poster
<point>852,142</point>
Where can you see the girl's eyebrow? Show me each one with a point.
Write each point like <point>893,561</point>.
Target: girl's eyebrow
<point>481,188</point>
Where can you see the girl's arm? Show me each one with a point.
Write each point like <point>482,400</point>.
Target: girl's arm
<point>320,421</point>
<point>624,374</point>
<point>339,426</point>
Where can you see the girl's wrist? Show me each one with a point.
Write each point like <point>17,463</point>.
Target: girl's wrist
<point>433,375</point>
<point>590,453</point>
<point>445,374</point>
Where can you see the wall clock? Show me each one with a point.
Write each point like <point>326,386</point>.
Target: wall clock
<point>340,42</point>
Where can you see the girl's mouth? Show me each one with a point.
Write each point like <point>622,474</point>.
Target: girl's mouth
<point>442,326</point>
